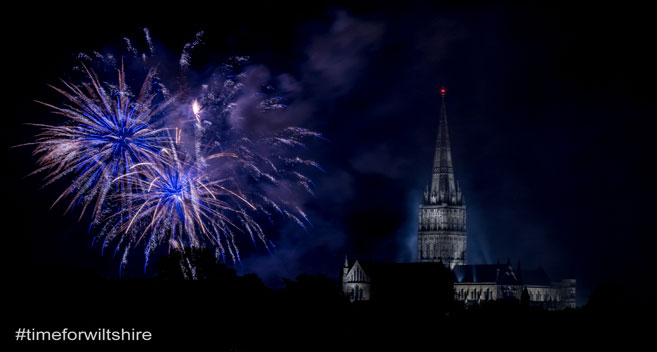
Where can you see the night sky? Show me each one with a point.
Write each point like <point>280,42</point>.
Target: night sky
<point>550,110</point>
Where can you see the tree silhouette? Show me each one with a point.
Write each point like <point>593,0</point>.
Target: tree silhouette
<point>524,298</point>
<point>193,264</point>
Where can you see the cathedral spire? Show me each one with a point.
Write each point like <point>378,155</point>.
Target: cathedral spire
<point>442,234</point>
<point>443,186</point>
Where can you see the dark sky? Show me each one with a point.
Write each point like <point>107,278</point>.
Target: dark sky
<point>550,110</point>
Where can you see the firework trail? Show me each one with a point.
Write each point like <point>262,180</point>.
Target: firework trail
<point>167,169</point>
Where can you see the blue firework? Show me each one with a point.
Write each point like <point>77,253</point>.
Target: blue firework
<point>107,131</point>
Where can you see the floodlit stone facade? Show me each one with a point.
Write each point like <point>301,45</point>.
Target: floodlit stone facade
<point>355,283</point>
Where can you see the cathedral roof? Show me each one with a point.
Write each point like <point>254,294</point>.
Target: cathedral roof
<point>411,283</point>
<point>536,277</point>
<point>402,271</point>
<point>479,273</point>
<point>501,274</point>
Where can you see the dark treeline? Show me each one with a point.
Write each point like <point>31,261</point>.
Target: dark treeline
<point>239,313</point>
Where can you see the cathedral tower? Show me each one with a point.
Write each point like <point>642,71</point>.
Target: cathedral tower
<point>441,233</point>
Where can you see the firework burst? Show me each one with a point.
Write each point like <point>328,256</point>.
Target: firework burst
<point>177,204</point>
<point>108,131</point>
<point>163,169</point>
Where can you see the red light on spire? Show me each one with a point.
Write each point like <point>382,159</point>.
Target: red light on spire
<point>443,91</point>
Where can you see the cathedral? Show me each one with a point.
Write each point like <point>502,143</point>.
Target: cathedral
<point>442,244</point>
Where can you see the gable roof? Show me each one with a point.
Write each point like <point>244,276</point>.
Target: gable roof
<point>357,273</point>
